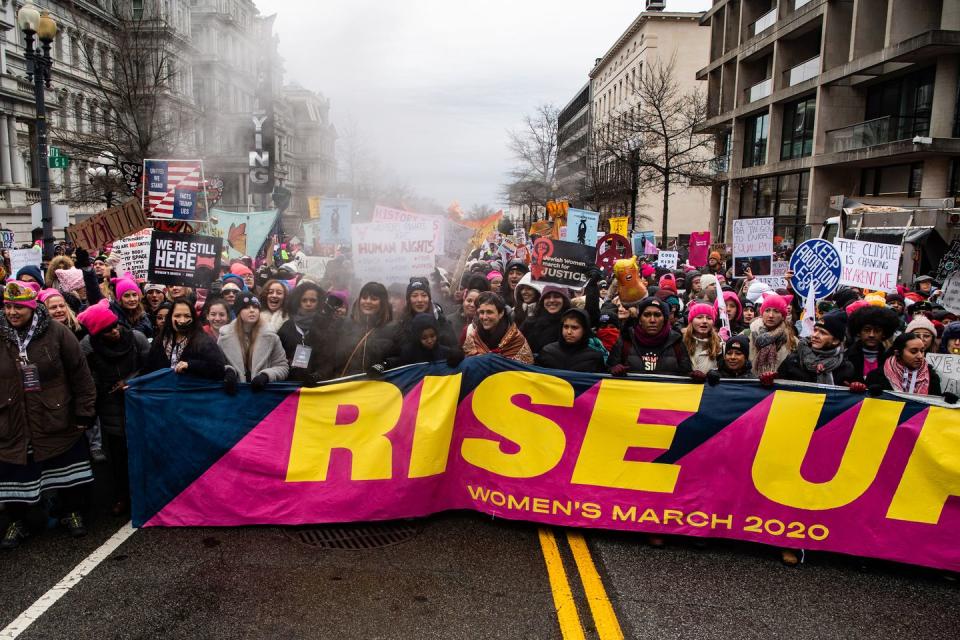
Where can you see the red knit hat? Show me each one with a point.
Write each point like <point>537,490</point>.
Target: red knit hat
<point>240,269</point>
<point>97,318</point>
<point>700,309</point>
<point>668,282</point>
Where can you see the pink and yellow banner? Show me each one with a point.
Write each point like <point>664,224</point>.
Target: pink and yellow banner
<point>804,467</point>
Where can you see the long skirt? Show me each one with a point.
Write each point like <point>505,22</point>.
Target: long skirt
<point>25,482</point>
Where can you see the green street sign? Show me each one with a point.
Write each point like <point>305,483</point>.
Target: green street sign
<point>54,152</point>
<point>58,162</point>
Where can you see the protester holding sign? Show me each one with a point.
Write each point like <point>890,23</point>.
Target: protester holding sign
<point>905,369</point>
<point>494,332</point>
<point>184,347</point>
<point>50,403</point>
<point>252,350</point>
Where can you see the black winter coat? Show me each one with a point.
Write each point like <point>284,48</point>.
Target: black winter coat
<point>541,330</point>
<point>878,379</point>
<point>144,325</point>
<point>793,369</point>
<point>355,355</point>
<point>579,357</point>
<point>203,357</point>
<point>670,357</point>
<point>110,364</point>
<point>855,357</point>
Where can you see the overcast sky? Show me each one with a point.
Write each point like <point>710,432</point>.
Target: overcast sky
<point>434,85</point>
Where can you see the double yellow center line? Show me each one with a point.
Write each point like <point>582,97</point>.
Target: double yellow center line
<point>604,618</point>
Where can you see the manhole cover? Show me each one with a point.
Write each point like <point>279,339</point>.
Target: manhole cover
<point>360,536</point>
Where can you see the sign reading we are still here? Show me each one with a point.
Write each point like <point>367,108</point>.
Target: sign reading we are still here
<point>181,259</point>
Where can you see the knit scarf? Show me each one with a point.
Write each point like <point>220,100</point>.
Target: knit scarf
<point>906,380</point>
<point>641,337</point>
<point>512,345</point>
<point>768,344</point>
<point>821,362</point>
<point>304,320</point>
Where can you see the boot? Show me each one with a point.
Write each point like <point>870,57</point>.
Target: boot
<point>15,534</point>
<point>74,524</point>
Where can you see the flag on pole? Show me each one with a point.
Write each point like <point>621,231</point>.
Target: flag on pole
<point>171,189</point>
<point>809,317</point>
<point>650,249</point>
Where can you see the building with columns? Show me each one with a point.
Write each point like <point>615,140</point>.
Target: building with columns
<point>810,99</point>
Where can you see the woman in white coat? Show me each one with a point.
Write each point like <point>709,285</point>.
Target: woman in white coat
<point>253,350</point>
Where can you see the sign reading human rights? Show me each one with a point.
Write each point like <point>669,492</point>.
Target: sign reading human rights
<point>818,468</point>
<point>183,259</point>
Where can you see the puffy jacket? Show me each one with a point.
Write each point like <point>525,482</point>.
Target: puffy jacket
<point>670,357</point>
<point>47,418</point>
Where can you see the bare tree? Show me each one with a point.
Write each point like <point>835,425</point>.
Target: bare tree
<point>534,179</point>
<point>656,138</point>
<point>136,109</point>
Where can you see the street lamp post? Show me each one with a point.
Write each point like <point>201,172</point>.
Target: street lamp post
<point>34,23</point>
<point>105,177</point>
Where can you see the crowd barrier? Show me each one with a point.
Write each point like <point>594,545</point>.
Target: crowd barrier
<point>801,466</point>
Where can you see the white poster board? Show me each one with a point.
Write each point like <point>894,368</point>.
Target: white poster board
<point>668,259</point>
<point>389,252</point>
<point>950,296</point>
<point>868,265</point>
<point>947,367</point>
<point>134,252</point>
<point>753,246</point>
<point>777,278</point>
<point>20,258</point>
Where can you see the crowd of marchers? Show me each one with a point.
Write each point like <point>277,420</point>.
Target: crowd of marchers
<point>74,335</point>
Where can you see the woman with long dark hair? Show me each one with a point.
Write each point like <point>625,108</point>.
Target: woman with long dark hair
<point>906,369</point>
<point>252,349</point>
<point>367,337</point>
<point>302,308</point>
<point>128,307</point>
<point>543,326</point>
<point>184,347</point>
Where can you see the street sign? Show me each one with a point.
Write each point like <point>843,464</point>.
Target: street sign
<point>56,160</point>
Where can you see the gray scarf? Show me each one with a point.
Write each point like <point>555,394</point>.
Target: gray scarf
<point>821,362</point>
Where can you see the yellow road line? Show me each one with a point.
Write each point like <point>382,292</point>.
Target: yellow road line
<point>608,628</point>
<point>567,615</point>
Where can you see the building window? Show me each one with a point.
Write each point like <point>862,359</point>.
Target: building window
<point>905,102</point>
<point>899,180</point>
<point>798,129</point>
<point>783,198</point>
<point>756,130</point>
<point>137,9</point>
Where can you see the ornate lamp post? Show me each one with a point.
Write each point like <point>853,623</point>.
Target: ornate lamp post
<point>106,177</point>
<point>33,23</point>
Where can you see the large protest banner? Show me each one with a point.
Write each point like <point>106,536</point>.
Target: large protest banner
<point>244,233</point>
<point>699,248</point>
<point>336,215</point>
<point>752,246</point>
<point>391,252</point>
<point>112,224</point>
<point>869,265</point>
<point>582,227</point>
<point>809,467</point>
<point>563,263</point>
<point>437,223</point>
<point>184,259</point>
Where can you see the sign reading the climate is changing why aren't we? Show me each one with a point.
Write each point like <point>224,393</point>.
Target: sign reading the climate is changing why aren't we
<point>868,265</point>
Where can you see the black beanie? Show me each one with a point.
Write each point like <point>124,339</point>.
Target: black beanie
<point>418,284</point>
<point>245,299</point>
<point>835,322</point>
<point>739,342</point>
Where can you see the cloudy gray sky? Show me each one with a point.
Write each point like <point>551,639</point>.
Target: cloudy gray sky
<point>433,85</point>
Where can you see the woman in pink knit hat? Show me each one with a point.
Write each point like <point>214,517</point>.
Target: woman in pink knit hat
<point>700,338</point>
<point>771,337</point>
<point>128,306</point>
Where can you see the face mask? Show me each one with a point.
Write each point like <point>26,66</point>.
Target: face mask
<point>183,326</point>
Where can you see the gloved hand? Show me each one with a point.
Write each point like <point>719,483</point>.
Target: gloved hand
<point>713,378</point>
<point>455,358</point>
<point>950,398</point>
<point>698,376</point>
<point>766,379</point>
<point>724,334</point>
<point>259,382</point>
<point>594,274</point>
<point>376,371</point>
<point>230,379</point>
<point>81,259</point>
<point>857,387</point>
<point>619,370</point>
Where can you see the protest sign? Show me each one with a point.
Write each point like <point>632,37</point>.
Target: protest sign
<point>171,189</point>
<point>777,278</point>
<point>60,214</point>
<point>315,266</point>
<point>582,227</point>
<point>699,248</point>
<point>950,296</point>
<point>437,223</point>
<point>334,226</point>
<point>868,265</point>
<point>313,206</point>
<point>815,263</point>
<point>812,467</point>
<point>8,239</point>
<point>559,262</point>
<point>752,246</point>
<point>244,233</point>
<point>668,259</point>
<point>20,258</point>
<point>134,252</point>
<point>644,243</point>
<point>950,261</point>
<point>947,366</point>
<point>183,259</point>
<point>619,226</point>
<point>100,230</point>
<point>393,252</point>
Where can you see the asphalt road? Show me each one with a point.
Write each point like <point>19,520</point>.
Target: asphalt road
<point>458,575</point>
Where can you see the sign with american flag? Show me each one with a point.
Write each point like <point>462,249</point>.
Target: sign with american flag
<point>171,189</point>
